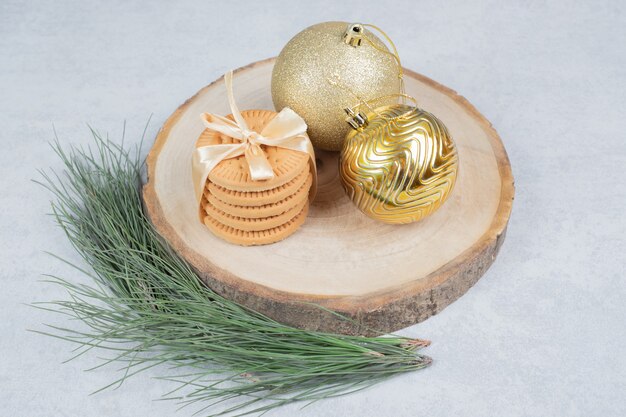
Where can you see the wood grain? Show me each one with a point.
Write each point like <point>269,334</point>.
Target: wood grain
<point>382,277</point>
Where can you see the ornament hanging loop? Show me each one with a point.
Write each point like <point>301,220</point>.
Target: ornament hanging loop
<point>353,35</point>
<point>393,52</point>
<point>369,103</point>
<point>357,119</point>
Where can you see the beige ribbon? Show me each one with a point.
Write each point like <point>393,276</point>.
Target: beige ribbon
<point>286,130</point>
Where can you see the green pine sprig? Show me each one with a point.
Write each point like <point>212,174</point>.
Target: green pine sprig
<point>148,308</point>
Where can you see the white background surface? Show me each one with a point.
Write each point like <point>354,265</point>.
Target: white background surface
<point>542,333</point>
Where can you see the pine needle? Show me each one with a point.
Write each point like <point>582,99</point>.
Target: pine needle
<point>148,308</point>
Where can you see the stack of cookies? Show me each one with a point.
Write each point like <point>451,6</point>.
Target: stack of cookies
<point>248,212</point>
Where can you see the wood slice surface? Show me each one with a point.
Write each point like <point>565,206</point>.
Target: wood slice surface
<point>382,277</point>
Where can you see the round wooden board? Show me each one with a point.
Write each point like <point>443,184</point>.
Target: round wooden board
<point>383,277</point>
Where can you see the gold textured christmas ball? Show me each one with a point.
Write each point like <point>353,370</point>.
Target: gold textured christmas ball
<point>399,165</point>
<point>304,66</point>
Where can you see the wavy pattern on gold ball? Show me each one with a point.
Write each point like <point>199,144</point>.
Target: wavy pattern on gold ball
<point>401,166</point>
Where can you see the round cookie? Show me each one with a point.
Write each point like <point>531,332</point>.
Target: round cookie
<point>262,237</point>
<point>266,210</point>
<point>234,174</point>
<point>259,198</point>
<point>245,224</point>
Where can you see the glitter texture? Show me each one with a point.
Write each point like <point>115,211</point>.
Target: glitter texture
<point>300,79</point>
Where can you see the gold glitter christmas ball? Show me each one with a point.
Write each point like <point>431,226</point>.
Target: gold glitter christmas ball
<point>399,165</point>
<point>300,79</point>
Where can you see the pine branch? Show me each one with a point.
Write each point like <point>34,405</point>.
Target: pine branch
<point>148,308</point>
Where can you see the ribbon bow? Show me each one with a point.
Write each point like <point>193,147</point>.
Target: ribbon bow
<point>286,130</point>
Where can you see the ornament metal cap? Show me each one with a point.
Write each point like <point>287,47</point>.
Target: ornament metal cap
<point>353,35</point>
<point>356,120</point>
